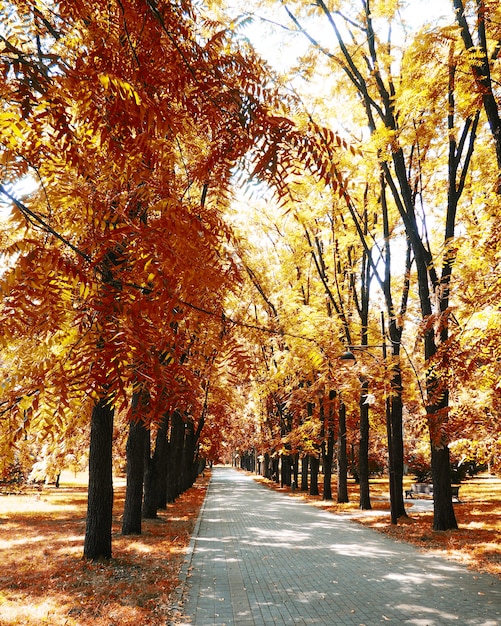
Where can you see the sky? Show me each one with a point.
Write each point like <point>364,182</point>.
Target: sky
<point>270,35</point>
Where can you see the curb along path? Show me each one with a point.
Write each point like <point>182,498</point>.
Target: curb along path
<point>259,558</point>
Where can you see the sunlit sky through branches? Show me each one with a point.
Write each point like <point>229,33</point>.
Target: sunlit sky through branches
<point>273,35</point>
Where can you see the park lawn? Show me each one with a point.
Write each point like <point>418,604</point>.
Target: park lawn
<point>45,580</point>
<point>477,542</point>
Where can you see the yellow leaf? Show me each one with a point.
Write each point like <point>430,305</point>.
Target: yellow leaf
<point>104,80</point>
<point>25,403</point>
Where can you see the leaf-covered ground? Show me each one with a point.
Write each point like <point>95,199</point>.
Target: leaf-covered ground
<point>45,580</point>
<point>477,542</point>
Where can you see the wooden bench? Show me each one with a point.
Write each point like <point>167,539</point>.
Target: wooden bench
<point>418,489</point>
<point>426,489</point>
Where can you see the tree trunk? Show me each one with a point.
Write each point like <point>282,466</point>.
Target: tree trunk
<point>286,474</point>
<point>393,404</point>
<point>398,505</point>
<point>327,457</point>
<point>304,472</point>
<point>151,479</point>
<point>444,517</point>
<point>155,486</point>
<point>328,446</point>
<point>394,411</point>
<point>100,490</point>
<point>268,466</point>
<point>189,465</point>
<point>342,457</point>
<point>363,453</point>
<point>391,463</point>
<point>275,469</point>
<point>135,452</point>
<point>175,469</point>
<point>314,469</point>
<point>295,468</point>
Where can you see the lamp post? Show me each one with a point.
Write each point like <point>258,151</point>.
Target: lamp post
<point>348,358</point>
<point>390,436</point>
<point>366,399</point>
<point>393,415</point>
<point>363,454</point>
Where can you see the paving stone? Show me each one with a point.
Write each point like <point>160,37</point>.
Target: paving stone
<point>260,558</point>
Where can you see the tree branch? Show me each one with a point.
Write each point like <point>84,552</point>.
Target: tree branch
<point>42,223</point>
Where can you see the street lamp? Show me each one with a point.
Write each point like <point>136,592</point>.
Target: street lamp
<point>366,400</point>
<point>348,358</point>
<point>393,425</point>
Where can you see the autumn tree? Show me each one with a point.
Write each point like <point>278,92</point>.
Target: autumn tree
<point>131,120</point>
<point>479,25</point>
<point>298,358</point>
<point>401,144</point>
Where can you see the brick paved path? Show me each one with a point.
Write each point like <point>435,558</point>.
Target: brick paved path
<point>261,558</point>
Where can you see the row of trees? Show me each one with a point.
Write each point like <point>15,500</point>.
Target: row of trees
<point>413,233</point>
<point>138,291</point>
<point>117,268</point>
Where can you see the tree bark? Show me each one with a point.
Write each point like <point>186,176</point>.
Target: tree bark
<point>443,510</point>
<point>268,466</point>
<point>397,440</point>
<point>295,468</point>
<point>394,413</point>
<point>97,542</point>
<point>328,445</point>
<point>327,458</point>
<point>305,462</point>
<point>150,488</point>
<point>314,469</point>
<point>342,457</point>
<point>286,474</point>
<point>363,453</point>
<point>155,475</point>
<point>189,465</point>
<point>275,469</point>
<point>175,468</point>
<point>135,452</point>
<point>397,450</point>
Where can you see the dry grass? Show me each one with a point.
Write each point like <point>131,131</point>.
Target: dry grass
<point>45,580</point>
<point>477,542</point>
